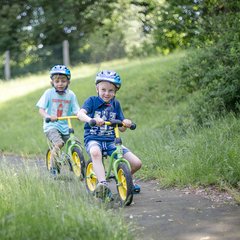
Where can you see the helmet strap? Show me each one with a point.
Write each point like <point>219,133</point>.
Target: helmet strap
<point>61,92</point>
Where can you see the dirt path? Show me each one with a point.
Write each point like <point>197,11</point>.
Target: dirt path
<point>174,214</point>
<point>182,215</point>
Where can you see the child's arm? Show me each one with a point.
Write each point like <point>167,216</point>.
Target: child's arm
<point>82,115</point>
<point>44,114</point>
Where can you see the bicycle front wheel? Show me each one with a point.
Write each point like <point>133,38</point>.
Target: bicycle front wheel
<point>91,178</point>
<point>78,162</point>
<point>125,184</point>
<point>48,161</point>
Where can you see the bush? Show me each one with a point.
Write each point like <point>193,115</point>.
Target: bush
<point>211,77</point>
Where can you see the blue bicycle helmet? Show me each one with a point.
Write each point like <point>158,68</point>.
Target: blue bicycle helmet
<point>109,76</point>
<point>60,69</point>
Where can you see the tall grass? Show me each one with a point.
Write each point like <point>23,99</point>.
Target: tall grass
<point>198,157</point>
<point>33,206</point>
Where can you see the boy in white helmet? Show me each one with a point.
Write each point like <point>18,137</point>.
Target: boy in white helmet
<point>105,107</point>
<point>58,101</point>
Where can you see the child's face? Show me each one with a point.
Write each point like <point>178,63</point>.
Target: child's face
<point>106,91</point>
<point>60,82</point>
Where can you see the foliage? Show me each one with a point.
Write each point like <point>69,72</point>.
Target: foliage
<point>211,75</point>
<point>33,31</point>
<point>45,23</point>
<point>102,45</point>
<point>189,23</point>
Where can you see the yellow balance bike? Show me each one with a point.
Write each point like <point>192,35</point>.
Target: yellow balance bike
<point>70,154</point>
<point>118,167</point>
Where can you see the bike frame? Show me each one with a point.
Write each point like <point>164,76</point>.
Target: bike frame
<point>114,162</point>
<point>72,141</point>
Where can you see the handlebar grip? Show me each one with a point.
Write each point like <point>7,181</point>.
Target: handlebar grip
<point>133,126</point>
<point>92,122</point>
<point>47,120</point>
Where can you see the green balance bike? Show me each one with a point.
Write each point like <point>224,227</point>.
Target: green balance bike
<point>70,154</point>
<point>118,167</point>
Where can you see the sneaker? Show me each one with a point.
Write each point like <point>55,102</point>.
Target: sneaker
<point>102,190</point>
<point>53,172</point>
<point>136,188</point>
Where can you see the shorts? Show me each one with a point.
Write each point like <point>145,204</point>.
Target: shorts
<point>56,137</point>
<point>108,147</point>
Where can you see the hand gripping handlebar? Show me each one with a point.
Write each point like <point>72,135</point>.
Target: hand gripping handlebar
<point>113,123</point>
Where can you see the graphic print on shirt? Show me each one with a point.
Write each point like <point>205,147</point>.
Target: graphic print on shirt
<point>60,110</point>
<point>60,107</point>
<point>103,130</point>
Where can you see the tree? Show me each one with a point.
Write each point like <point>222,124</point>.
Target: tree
<point>28,28</point>
<point>188,23</point>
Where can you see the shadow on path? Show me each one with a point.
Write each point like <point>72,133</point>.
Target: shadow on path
<point>174,215</point>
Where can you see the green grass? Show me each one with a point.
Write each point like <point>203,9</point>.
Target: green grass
<point>33,206</point>
<point>21,125</point>
<point>172,148</point>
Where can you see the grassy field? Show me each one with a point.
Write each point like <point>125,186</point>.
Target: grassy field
<point>142,96</point>
<point>172,148</point>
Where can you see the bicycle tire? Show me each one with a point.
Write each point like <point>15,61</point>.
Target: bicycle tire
<point>91,178</point>
<point>48,161</point>
<point>77,162</point>
<point>125,184</point>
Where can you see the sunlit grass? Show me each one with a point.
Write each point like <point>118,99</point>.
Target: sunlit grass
<point>34,206</point>
<point>22,86</point>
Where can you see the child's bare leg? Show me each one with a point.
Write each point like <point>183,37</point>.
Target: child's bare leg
<point>136,164</point>
<point>134,161</point>
<point>96,156</point>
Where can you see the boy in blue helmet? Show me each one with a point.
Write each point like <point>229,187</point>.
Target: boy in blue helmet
<point>58,101</point>
<point>105,107</point>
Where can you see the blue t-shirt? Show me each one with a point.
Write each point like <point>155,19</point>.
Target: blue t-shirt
<point>96,107</point>
<point>59,106</point>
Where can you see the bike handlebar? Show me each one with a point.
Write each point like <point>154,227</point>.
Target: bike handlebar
<point>113,123</point>
<point>47,120</point>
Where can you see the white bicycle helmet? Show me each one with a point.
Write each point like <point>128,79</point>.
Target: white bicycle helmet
<point>60,69</point>
<point>109,76</point>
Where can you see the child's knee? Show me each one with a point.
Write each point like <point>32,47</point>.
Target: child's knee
<point>95,153</point>
<point>137,165</point>
<point>59,145</point>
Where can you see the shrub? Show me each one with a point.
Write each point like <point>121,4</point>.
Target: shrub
<point>210,76</point>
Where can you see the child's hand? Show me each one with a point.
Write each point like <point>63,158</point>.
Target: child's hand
<point>99,121</point>
<point>53,118</point>
<point>127,123</point>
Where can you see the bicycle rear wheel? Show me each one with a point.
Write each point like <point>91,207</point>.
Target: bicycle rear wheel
<point>77,162</point>
<point>91,178</point>
<point>125,184</point>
